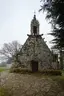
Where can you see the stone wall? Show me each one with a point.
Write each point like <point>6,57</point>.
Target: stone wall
<point>35,49</point>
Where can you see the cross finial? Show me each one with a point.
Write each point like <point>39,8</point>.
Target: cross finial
<point>34,15</point>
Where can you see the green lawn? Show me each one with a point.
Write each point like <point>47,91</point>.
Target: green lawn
<point>2,69</point>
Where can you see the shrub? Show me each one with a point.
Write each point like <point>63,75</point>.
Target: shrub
<point>52,72</point>
<point>20,70</point>
<point>46,72</point>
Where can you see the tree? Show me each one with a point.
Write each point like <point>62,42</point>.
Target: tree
<point>10,50</point>
<point>55,14</point>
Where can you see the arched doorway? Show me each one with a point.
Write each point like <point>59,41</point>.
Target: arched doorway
<point>34,65</point>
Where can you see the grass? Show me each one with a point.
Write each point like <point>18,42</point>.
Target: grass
<point>2,69</point>
<point>59,80</point>
<point>5,92</point>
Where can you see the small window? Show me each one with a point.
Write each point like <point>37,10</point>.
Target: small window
<point>34,30</point>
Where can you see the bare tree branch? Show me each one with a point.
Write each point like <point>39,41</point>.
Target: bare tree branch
<point>9,50</point>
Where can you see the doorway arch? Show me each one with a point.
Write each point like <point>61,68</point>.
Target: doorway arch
<point>34,66</point>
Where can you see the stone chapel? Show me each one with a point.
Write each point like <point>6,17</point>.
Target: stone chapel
<point>35,54</point>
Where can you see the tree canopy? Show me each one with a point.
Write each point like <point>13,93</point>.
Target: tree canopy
<point>55,15</point>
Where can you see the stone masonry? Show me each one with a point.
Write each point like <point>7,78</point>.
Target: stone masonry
<point>35,54</point>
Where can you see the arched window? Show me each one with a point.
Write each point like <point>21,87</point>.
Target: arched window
<point>34,30</point>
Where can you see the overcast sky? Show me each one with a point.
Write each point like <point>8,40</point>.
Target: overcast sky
<point>15,19</point>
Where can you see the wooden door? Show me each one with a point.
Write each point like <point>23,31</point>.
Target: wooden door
<point>34,66</point>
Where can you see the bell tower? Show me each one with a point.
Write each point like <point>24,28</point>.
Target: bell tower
<point>34,26</point>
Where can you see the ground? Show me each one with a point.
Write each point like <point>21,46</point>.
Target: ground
<point>14,84</point>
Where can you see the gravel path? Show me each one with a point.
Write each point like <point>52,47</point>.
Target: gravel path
<point>29,85</point>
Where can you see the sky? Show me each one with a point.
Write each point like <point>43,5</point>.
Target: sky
<point>15,19</point>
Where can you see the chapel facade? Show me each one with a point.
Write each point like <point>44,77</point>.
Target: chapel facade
<point>35,54</point>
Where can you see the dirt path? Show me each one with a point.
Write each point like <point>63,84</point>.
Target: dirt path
<point>29,85</point>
